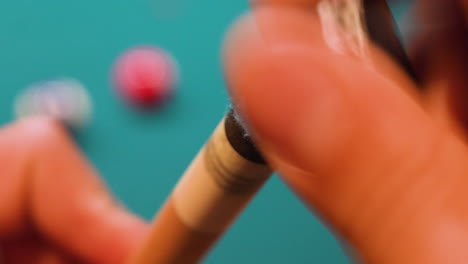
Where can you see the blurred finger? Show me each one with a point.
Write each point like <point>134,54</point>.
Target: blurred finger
<point>58,191</point>
<point>301,74</point>
<point>363,30</point>
<point>32,250</point>
<point>346,138</point>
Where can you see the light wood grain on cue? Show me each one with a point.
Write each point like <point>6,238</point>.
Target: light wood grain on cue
<point>216,187</point>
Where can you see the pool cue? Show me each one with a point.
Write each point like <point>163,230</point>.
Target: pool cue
<point>219,183</point>
<point>189,224</point>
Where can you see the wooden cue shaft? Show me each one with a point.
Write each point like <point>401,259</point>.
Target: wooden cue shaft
<point>226,174</point>
<point>221,180</point>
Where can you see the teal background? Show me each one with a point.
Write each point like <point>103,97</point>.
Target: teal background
<point>141,156</point>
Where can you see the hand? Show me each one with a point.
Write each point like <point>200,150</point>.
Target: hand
<point>53,207</point>
<point>384,163</point>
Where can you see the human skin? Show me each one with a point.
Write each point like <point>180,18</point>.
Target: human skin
<point>383,163</point>
<point>54,208</point>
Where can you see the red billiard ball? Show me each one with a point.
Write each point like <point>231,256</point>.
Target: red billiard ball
<point>145,76</point>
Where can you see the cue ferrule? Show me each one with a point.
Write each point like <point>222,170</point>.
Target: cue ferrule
<point>221,180</point>
<point>218,183</point>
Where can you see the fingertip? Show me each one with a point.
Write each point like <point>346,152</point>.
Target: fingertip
<point>40,127</point>
<point>303,100</point>
<point>121,236</point>
<point>276,79</point>
<point>19,142</point>
<point>69,204</point>
<point>101,234</point>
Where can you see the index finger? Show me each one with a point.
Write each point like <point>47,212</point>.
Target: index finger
<point>47,183</point>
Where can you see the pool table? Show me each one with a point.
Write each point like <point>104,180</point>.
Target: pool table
<point>139,154</point>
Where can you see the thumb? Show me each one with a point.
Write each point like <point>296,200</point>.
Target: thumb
<point>317,110</point>
<point>346,138</point>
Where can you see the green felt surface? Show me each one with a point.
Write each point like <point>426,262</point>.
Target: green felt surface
<point>141,156</point>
